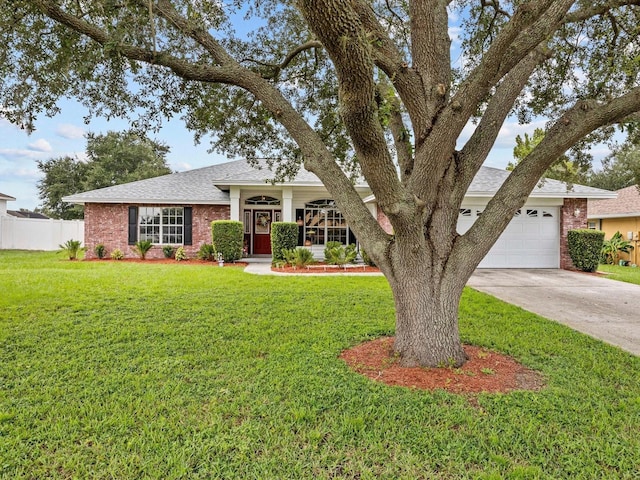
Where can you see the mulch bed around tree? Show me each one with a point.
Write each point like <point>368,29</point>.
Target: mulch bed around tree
<point>485,371</point>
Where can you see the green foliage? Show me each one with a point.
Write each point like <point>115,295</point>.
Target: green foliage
<point>584,248</point>
<point>100,250</point>
<point>284,236</point>
<point>197,377</point>
<point>611,249</point>
<point>180,254</point>
<point>298,257</point>
<point>227,236</point>
<point>619,170</point>
<point>337,254</point>
<point>563,169</point>
<point>167,251</point>
<point>366,258</point>
<point>207,252</point>
<point>117,254</point>
<point>71,248</point>
<point>112,159</point>
<point>142,247</point>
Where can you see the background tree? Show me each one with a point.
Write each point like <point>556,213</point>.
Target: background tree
<point>62,176</point>
<point>563,169</point>
<point>112,159</point>
<point>619,170</point>
<point>350,82</point>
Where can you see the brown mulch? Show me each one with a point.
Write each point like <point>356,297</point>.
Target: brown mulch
<point>485,371</point>
<point>320,268</point>
<point>189,261</point>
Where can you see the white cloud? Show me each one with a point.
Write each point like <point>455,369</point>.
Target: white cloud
<point>66,130</point>
<point>180,166</point>
<point>19,153</point>
<point>40,145</point>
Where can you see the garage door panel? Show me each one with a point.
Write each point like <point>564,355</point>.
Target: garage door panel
<point>531,240</point>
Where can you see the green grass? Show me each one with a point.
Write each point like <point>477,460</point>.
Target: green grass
<point>120,370</point>
<point>624,274</point>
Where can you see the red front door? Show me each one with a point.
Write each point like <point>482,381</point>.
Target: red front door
<point>262,232</point>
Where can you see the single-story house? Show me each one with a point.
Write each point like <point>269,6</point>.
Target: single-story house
<point>4,198</point>
<point>26,214</point>
<point>177,209</point>
<point>620,214</point>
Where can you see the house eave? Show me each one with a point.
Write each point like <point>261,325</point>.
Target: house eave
<point>604,216</point>
<point>140,201</point>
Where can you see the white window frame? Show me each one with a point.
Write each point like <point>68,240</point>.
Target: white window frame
<point>161,225</point>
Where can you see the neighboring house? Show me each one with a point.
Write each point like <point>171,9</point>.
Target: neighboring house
<point>26,214</point>
<point>178,209</point>
<point>3,203</point>
<point>621,214</point>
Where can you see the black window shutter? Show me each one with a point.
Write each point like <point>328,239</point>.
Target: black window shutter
<point>133,225</point>
<point>352,237</point>
<point>188,220</point>
<point>300,216</point>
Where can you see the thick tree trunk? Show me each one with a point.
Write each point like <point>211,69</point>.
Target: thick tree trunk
<point>427,319</point>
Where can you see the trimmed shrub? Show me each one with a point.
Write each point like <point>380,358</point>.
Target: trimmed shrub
<point>284,236</point>
<point>585,247</point>
<point>207,252</point>
<point>117,254</point>
<point>100,251</point>
<point>167,251</point>
<point>180,254</point>
<point>228,236</point>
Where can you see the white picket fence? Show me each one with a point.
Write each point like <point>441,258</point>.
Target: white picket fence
<point>37,234</point>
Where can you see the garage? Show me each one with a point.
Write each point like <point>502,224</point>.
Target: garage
<point>531,240</point>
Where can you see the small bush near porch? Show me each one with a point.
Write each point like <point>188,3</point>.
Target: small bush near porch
<point>143,370</point>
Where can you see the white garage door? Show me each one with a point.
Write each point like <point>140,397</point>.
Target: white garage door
<point>531,240</point>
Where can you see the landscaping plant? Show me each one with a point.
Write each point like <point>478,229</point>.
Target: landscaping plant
<point>117,254</point>
<point>71,248</point>
<point>584,248</point>
<point>284,236</point>
<point>142,247</point>
<point>611,249</point>
<point>228,236</point>
<point>207,252</point>
<point>100,251</point>
<point>167,251</point>
<point>337,254</point>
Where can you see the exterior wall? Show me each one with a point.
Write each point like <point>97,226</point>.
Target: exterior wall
<point>37,234</point>
<point>108,224</point>
<point>573,215</point>
<point>623,225</point>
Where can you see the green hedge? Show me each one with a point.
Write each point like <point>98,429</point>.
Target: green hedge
<point>284,236</point>
<point>228,236</point>
<point>584,248</point>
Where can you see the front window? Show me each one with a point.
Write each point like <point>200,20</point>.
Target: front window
<point>324,223</point>
<point>161,225</point>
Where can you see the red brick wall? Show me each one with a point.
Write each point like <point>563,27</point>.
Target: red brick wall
<point>570,221</point>
<point>108,224</point>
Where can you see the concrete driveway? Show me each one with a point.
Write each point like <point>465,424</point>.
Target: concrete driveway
<point>605,309</point>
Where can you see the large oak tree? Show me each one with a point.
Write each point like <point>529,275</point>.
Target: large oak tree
<point>334,83</point>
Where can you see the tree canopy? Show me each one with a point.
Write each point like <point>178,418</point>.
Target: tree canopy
<point>338,83</point>
<point>112,158</point>
<point>619,170</point>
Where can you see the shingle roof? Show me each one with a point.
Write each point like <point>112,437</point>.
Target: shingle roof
<point>208,185</point>
<point>488,180</point>
<point>27,214</point>
<point>627,204</point>
<point>4,196</point>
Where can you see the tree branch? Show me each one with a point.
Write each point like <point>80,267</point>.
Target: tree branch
<point>595,10</point>
<point>576,123</point>
<point>278,67</point>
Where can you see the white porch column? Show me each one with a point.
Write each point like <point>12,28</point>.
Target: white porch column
<point>287,204</point>
<point>234,197</point>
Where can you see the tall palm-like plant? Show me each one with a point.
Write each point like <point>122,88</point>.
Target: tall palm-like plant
<point>142,247</point>
<point>612,248</point>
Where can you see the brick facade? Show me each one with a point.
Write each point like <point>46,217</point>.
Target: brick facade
<point>573,215</point>
<point>107,223</point>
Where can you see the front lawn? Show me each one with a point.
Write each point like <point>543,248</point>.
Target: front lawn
<point>624,274</point>
<point>123,370</point>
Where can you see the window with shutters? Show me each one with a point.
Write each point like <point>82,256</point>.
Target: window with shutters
<point>161,225</point>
